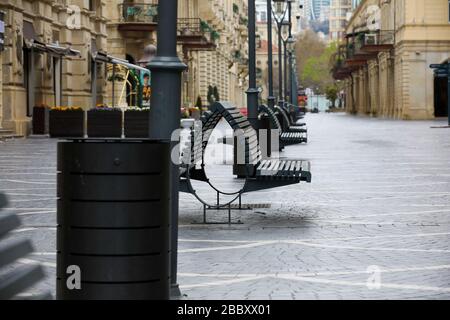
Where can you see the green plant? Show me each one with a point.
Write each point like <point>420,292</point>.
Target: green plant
<point>243,20</point>
<point>331,93</point>
<point>215,35</point>
<point>235,8</point>
<point>204,26</point>
<point>116,77</point>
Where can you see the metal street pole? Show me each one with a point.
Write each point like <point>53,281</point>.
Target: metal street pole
<point>291,78</point>
<point>166,70</point>
<point>288,88</point>
<point>252,92</point>
<point>270,98</point>
<point>285,64</point>
<point>280,64</point>
<point>279,15</point>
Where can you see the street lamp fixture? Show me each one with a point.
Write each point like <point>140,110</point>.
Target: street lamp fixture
<point>279,14</point>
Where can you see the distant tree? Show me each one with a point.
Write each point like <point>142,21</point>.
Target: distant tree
<point>331,93</point>
<point>308,45</point>
<point>316,71</point>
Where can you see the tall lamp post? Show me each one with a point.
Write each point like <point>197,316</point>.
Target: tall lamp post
<point>294,86</point>
<point>279,14</point>
<point>252,92</point>
<point>270,98</point>
<point>166,70</point>
<point>287,41</point>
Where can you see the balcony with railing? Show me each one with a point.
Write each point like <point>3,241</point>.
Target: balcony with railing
<point>339,63</point>
<point>138,16</point>
<point>196,34</point>
<point>376,41</point>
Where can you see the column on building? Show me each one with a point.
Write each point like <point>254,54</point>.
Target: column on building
<point>373,76</point>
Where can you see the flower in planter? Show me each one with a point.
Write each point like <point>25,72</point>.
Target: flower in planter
<point>105,108</point>
<point>184,113</point>
<point>66,122</point>
<point>194,109</point>
<point>136,122</point>
<point>137,109</point>
<point>61,108</point>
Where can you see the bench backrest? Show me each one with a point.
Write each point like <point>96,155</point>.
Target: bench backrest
<point>247,138</point>
<point>272,116</point>
<point>284,115</point>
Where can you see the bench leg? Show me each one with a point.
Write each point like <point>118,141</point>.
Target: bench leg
<point>204,213</point>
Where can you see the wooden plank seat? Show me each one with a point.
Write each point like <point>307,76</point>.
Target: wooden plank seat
<point>259,174</point>
<point>288,134</point>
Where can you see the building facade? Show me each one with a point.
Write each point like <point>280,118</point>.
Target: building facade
<point>46,57</point>
<point>55,53</point>
<point>210,32</point>
<point>385,61</point>
<point>340,11</point>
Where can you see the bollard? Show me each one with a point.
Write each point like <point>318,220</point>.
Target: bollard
<point>113,219</point>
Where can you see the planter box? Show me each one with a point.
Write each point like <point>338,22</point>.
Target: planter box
<point>104,124</point>
<point>39,119</point>
<point>66,123</point>
<point>136,124</point>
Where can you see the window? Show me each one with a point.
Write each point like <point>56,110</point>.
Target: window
<point>92,5</point>
<point>264,16</point>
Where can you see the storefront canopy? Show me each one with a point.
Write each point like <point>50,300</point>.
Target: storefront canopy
<point>31,42</point>
<point>53,49</point>
<point>105,58</point>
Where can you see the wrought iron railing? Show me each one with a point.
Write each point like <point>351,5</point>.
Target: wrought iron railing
<point>139,12</point>
<point>190,26</point>
<point>379,38</point>
<point>373,38</point>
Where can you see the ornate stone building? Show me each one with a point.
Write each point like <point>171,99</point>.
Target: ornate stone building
<point>209,33</point>
<point>55,53</point>
<point>48,45</point>
<point>385,61</point>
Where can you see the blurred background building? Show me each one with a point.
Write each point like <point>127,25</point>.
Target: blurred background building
<point>62,52</point>
<point>384,61</point>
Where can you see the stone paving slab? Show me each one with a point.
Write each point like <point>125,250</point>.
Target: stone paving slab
<point>379,206</point>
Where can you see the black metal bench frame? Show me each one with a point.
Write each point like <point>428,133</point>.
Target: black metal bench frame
<point>299,133</point>
<point>259,174</point>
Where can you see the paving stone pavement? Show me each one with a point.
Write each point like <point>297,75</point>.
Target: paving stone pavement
<point>378,209</point>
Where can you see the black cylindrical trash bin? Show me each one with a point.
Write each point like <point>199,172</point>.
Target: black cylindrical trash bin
<point>113,219</point>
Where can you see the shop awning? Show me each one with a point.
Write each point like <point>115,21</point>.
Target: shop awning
<point>54,49</point>
<point>31,42</point>
<point>105,58</point>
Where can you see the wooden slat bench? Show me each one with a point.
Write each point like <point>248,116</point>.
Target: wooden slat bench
<point>18,279</point>
<point>288,134</point>
<point>259,174</point>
